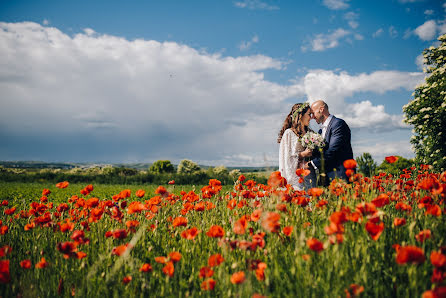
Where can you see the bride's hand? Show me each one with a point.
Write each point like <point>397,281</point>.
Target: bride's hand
<point>306,153</point>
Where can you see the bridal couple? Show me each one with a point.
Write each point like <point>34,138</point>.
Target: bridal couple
<point>294,155</point>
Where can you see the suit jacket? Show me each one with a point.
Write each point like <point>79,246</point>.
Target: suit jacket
<point>338,149</point>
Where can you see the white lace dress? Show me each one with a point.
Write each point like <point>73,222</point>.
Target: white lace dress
<point>289,158</point>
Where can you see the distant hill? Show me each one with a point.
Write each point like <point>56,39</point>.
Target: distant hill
<point>137,166</point>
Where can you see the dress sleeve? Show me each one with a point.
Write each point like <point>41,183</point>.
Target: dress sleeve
<point>289,158</point>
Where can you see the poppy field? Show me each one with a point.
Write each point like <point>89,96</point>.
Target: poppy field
<point>379,236</point>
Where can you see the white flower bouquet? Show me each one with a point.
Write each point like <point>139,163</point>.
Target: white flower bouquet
<point>312,140</point>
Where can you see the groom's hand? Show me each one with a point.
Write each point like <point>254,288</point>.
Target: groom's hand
<point>307,165</point>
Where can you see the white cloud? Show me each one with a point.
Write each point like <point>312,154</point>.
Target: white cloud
<point>245,45</point>
<point>322,42</point>
<point>428,12</point>
<point>378,33</point>
<point>409,1</point>
<point>352,18</point>
<point>46,22</point>
<point>393,32</point>
<point>419,61</point>
<point>108,98</point>
<point>255,4</point>
<point>379,149</point>
<point>427,31</point>
<point>336,4</point>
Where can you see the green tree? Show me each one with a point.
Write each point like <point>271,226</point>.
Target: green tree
<point>397,167</point>
<point>427,111</point>
<point>162,166</point>
<point>366,164</point>
<point>187,166</point>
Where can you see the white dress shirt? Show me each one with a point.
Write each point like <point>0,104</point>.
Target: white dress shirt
<point>324,131</point>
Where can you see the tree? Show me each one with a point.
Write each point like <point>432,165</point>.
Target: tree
<point>397,167</point>
<point>162,166</point>
<point>366,164</point>
<point>427,111</point>
<point>187,166</point>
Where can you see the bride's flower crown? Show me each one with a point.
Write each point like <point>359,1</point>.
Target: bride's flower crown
<point>300,109</point>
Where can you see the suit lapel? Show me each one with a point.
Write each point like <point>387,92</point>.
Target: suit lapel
<point>328,131</point>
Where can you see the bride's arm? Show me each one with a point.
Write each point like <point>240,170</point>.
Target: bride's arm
<point>289,158</point>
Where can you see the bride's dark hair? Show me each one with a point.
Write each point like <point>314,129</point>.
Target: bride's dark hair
<point>294,124</point>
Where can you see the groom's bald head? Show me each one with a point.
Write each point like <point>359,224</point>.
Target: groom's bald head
<point>319,108</point>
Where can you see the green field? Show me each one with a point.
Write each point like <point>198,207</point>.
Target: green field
<point>355,251</point>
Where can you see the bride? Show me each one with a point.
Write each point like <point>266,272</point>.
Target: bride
<point>291,152</point>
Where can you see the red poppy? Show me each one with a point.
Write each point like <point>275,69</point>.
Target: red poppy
<point>45,192</point>
<point>171,182</point>
<point>410,254</point>
<point>215,232</point>
<point>240,226</point>
<point>302,172</point>
<point>190,234</point>
<point>354,290</point>
<point>215,260</point>
<point>205,272</point>
<point>175,256</point>
<point>136,207</point>
<point>438,260</point>
<point>25,264</point>
<point>423,235</point>
<point>121,249</point>
<point>169,269</point>
<point>438,292</point>
<point>126,279</point>
<point>374,230</point>
<point>434,210</point>
<point>180,221</point>
<point>381,200</point>
<point>315,192</point>
<point>66,248</point>
<point>276,180</point>
<point>4,272</point>
<point>287,230</point>
<point>315,245</point>
<point>241,178</point>
<point>146,268</point>
<point>62,184</point>
<point>260,271</point>
<point>350,164</point>
<point>140,193</point>
<point>42,263</point>
<point>208,284</point>
<point>399,222</point>
<point>238,277</point>
<point>80,255</point>
<point>120,234</point>
<point>271,222</point>
<point>391,159</point>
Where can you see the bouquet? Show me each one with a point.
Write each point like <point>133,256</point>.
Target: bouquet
<point>312,140</point>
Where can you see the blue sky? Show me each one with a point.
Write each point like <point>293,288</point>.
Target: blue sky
<point>212,81</point>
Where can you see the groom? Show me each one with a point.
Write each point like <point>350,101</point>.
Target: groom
<point>337,138</point>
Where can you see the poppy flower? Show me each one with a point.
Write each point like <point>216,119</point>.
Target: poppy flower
<point>25,264</point>
<point>179,221</point>
<point>42,263</point>
<point>276,180</point>
<point>175,256</point>
<point>438,260</point>
<point>287,230</point>
<point>120,234</point>
<point>434,210</point>
<point>66,248</point>
<point>438,292</point>
<point>126,279</point>
<point>208,284</point>
<point>381,200</point>
<point>10,211</point>
<point>241,178</point>
<point>171,182</point>
<point>315,192</point>
<point>121,249</point>
<point>315,245</point>
<point>140,193</point>
<point>215,232</point>
<point>190,234</point>
<point>80,255</point>
<point>302,172</point>
<point>423,235</point>
<point>374,230</point>
<point>45,192</point>
<point>240,226</point>
<point>391,159</point>
<point>4,250</point>
<point>238,277</point>
<point>4,272</point>
<point>161,260</point>
<point>136,207</point>
<point>146,268</point>
<point>271,222</point>
<point>399,222</point>
<point>205,272</point>
<point>354,290</point>
<point>410,254</point>
<point>169,269</point>
<point>350,164</point>
<point>62,184</point>
<point>215,260</point>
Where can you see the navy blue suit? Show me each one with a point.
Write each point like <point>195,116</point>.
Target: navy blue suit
<point>338,149</point>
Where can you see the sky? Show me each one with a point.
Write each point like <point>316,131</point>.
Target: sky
<point>206,80</point>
